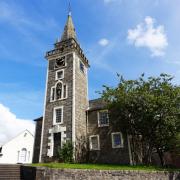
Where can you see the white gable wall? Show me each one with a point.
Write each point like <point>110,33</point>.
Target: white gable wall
<point>18,150</point>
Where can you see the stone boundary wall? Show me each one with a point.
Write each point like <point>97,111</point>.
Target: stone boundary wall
<point>43,173</point>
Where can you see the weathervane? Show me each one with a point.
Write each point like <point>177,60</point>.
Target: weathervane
<point>69,8</point>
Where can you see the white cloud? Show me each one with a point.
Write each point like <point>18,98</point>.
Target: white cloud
<point>149,36</point>
<point>10,125</point>
<point>103,42</point>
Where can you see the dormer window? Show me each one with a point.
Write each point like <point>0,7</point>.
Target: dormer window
<point>60,62</point>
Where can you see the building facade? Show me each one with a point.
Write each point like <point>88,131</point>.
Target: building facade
<point>69,115</point>
<point>18,149</point>
<point>107,143</point>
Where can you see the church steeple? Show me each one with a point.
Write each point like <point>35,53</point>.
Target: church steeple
<point>69,30</point>
<point>66,95</point>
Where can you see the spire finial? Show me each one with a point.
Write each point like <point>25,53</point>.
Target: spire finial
<point>69,9</point>
<point>69,30</point>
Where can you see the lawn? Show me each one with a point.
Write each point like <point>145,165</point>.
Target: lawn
<point>102,167</point>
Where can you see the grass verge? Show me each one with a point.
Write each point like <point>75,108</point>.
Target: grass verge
<point>102,167</point>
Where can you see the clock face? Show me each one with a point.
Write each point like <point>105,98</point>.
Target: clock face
<point>60,62</point>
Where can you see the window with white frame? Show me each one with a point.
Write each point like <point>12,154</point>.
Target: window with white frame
<point>52,94</point>
<point>117,140</point>
<point>64,91</point>
<point>59,91</point>
<point>94,142</point>
<point>60,74</point>
<point>23,155</point>
<point>58,115</point>
<point>103,118</point>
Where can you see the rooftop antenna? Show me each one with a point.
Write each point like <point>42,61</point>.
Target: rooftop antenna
<point>69,9</point>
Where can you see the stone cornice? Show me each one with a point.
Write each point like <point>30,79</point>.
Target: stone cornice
<point>67,46</point>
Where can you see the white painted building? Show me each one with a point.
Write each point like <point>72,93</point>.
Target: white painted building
<point>18,149</point>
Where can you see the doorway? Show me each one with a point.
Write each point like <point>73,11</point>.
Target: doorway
<point>57,144</point>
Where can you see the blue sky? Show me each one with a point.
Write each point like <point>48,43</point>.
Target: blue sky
<point>125,36</point>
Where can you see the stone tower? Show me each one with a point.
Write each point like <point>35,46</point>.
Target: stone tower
<point>66,99</point>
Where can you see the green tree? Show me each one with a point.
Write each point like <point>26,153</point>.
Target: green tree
<point>148,109</point>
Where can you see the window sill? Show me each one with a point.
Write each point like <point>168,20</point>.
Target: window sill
<point>59,79</point>
<point>94,149</point>
<point>58,68</point>
<point>54,125</point>
<point>118,147</point>
<point>59,100</point>
<point>103,125</point>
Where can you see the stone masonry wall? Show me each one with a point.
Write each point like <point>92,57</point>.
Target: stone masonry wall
<point>81,105</point>
<point>107,154</point>
<point>66,103</point>
<point>41,173</point>
<point>81,99</point>
<point>37,140</point>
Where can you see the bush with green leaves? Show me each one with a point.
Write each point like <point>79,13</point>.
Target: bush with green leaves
<point>149,110</point>
<point>66,152</point>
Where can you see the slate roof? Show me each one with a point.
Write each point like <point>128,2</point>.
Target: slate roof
<point>96,104</point>
<point>39,119</point>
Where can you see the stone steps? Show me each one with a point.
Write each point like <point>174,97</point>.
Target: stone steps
<point>10,172</point>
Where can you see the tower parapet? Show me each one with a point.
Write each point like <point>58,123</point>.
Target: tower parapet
<point>66,46</point>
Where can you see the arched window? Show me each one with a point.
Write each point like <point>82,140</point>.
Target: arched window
<point>22,155</point>
<point>59,91</point>
<point>59,87</point>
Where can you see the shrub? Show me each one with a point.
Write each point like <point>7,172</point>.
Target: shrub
<point>66,152</point>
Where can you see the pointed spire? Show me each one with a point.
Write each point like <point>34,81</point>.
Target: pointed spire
<point>69,30</point>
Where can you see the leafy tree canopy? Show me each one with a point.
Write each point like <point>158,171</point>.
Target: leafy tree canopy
<point>147,108</point>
